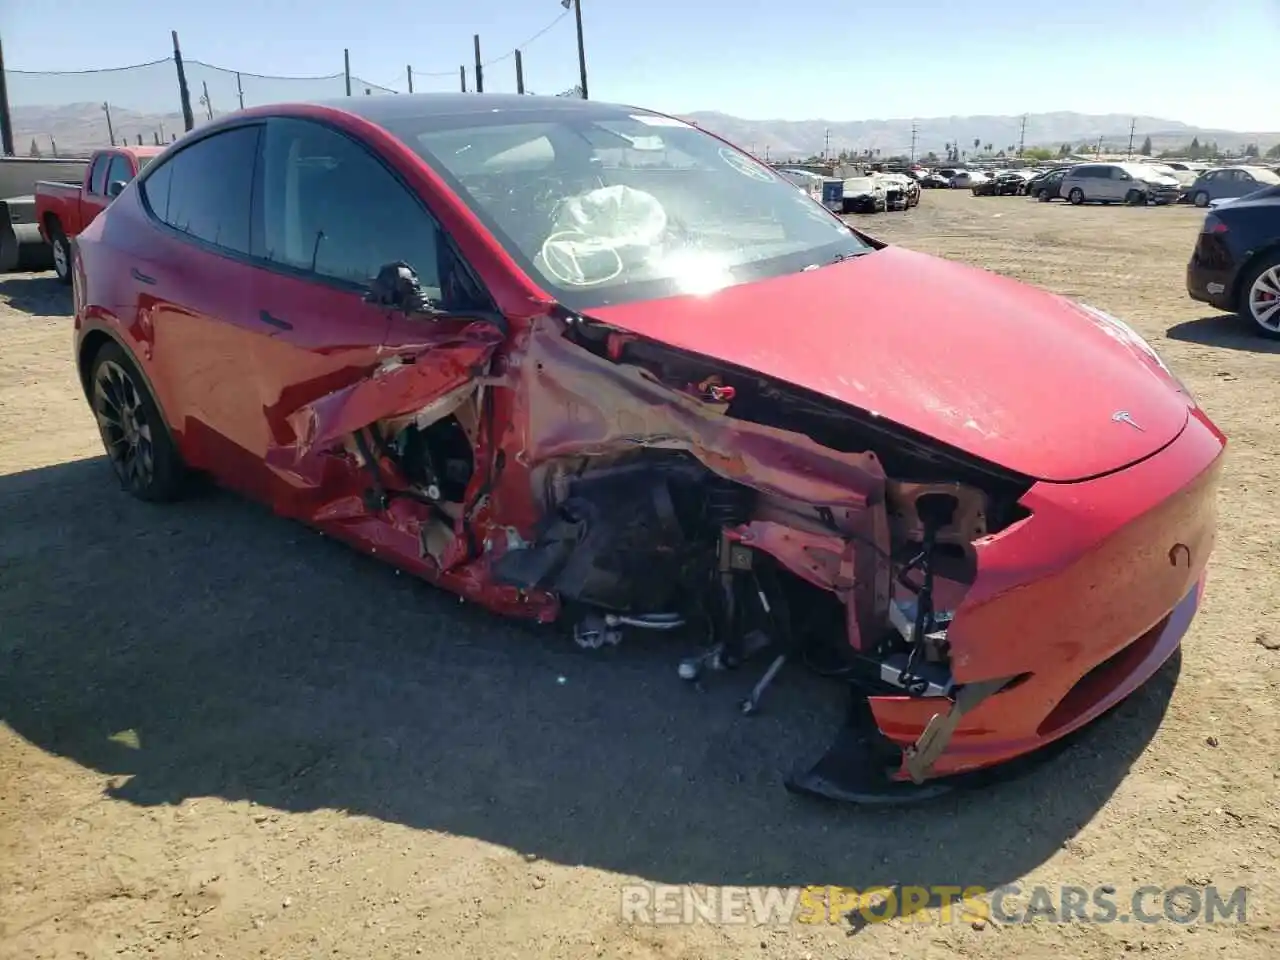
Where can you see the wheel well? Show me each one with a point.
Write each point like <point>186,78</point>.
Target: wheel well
<point>1247,268</point>
<point>51,223</point>
<point>94,341</point>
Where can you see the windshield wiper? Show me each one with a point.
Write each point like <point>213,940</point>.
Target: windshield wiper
<point>841,257</point>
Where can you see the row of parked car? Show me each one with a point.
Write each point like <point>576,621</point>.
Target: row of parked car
<point>874,192</point>
<point>1128,182</point>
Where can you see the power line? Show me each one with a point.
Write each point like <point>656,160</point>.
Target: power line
<point>132,66</point>
<point>506,56</point>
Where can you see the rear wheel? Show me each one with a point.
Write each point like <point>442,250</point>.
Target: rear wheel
<point>1260,298</point>
<point>1201,199</point>
<point>61,253</point>
<point>1075,197</point>
<point>135,436</point>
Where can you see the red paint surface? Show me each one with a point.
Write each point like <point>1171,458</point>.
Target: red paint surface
<point>1007,372</point>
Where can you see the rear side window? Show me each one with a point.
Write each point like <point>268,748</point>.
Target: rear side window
<point>205,190</point>
<point>330,208</point>
<point>98,174</point>
<point>155,190</point>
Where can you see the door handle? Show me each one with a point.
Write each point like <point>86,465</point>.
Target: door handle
<point>266,317</point>
<point>140,276</point>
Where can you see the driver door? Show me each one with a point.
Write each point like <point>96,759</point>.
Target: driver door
<point>331,216</point>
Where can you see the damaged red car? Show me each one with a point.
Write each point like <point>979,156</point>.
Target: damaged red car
<point>591,364</point>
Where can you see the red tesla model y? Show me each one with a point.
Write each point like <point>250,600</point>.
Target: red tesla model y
<point>590,363</point>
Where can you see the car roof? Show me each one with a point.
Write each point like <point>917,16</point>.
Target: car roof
<point>138,151</point>
<point>388,108</point>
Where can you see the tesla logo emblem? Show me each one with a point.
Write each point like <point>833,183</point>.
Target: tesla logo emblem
<point>1123,416</point>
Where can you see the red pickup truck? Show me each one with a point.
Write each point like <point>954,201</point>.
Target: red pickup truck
<point>64,208</point>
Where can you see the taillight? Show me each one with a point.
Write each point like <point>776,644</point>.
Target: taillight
<point>1213,225</point>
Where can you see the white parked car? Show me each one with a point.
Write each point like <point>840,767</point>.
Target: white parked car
<point>965,179</point>
<point>900,190</point>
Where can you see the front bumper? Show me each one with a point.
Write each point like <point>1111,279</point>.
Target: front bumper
<point>1162,194</point>
<point>1081,603</point>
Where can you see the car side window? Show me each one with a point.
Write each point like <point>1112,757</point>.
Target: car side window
<point>120,170</point>
<point>155,190</point>
<point>209,187</point>
<point>98,174</point>
<point>331,208</point>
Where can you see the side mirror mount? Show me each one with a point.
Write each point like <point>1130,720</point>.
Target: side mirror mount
<point>396,286</point>
<point>116,187</point>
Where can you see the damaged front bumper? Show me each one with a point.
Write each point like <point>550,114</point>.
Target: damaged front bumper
<point>1060,626</point>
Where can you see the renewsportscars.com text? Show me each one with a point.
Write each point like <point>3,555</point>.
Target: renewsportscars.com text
<point>1008,904</point>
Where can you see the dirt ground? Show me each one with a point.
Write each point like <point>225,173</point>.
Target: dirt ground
<point>222,735</point>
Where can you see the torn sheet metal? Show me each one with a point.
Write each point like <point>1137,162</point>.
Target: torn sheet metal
<point>401,385</point>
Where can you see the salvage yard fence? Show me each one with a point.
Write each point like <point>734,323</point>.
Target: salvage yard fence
<point>69,113</point>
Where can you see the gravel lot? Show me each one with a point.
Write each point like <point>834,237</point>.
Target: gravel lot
<point>222,735</point>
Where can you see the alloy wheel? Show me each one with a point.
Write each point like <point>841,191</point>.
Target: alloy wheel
<point>1264,299</point>
<point>124,425</point>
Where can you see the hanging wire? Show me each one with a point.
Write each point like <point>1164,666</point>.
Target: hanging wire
<point>262,76</point>
<point>506,56</point>
<point>132,66</point>
<point>520,46</point>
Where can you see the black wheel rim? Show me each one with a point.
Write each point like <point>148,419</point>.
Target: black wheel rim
<point>124,425</point>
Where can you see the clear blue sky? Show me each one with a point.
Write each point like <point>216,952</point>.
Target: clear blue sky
<point>1179,59</point>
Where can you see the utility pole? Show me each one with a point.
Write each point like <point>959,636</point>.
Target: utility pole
<point>408,72</point>
<point>6,122</point>
<point>1022,136</point>
<point>346,69</point>
<point>204,99</point>
<point>479,67</point>
<point>111,134</point>
<point>1133,125</point>
<point>462,77</point>
<point>826,144</point>
<point>519,72</point>
<point>915,135</point>
<point>582,56</point>
<point>239,89</point>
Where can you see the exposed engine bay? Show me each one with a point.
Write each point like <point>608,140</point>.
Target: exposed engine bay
<point>670,493</point>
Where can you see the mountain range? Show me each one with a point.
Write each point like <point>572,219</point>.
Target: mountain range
<point>78,127</point>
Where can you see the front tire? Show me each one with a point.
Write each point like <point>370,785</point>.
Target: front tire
<point>61,253</point>
<point>1201,199</point>
<point>1135,198</point>
<point>1075,197</point>
<point>1260,298</point>
<point>134,434</point>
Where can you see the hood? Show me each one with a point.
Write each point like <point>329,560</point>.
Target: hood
<point>1004,371</point>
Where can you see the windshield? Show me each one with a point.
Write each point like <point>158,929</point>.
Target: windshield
<point>1263,175</point>
<point>606,205</point>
